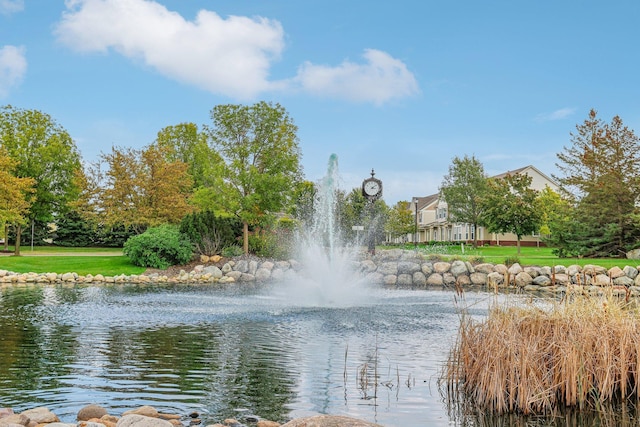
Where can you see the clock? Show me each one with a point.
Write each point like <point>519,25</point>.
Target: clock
<point>372,187</point>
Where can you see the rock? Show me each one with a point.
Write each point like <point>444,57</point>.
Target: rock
<point>495,279</point>
<point>14,419</point>
<point>458,268</point>
<point>329,421</point>
<point>615,272</point>
<point>435,280</point>
<point>263,274</point>
<point>146,410</point>
<point>523,279</point>
<point>542,281</point>
<point>419,279</point>
<point>204,259</point>
<point>266,423</point>
<point>41,415</point>
<point>136,420</point>
<point>631,272</point>
<point>478,278</point>
<point>441,267</point>
<point>405,279</point>
<point>515,269</point>
<point>634,254</point>
<point>387,268</point>
<point>91,411</point>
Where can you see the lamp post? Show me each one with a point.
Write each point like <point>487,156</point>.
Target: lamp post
<point>415,224</point>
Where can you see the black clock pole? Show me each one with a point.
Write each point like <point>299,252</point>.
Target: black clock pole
<point>372,191</point>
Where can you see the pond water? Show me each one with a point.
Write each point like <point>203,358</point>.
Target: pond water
<point>228,352</point>
<point>242,351</point>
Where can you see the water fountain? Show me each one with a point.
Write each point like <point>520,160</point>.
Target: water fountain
<point>328,276</point>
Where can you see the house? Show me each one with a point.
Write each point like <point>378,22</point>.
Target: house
<point>433,225</point>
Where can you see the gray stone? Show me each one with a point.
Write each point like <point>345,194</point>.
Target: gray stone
<point>623,281</point>
<point>407,267</point>
<point>91,411</point>
<point>560,269</point>
<point>458,267</point>
<point>267,265</point>
<point>631,272</point>
<point>135,420</point>
<point>214,271</point>
<point>405,279</point>
<point>242,266</point>
<point>253,267</point>
<point>246,277</point>
<point>419,279</point>
<point>515,269</point>
<point>449,279</point>
<point>523,279</point>
<point>427,268</point>
<point>368,266</point>
<point>602,280</point>
<point>542,281</point>
<point>532,271</point>
<point>263,274</point>
<point>485,268</point>
<point>390,280</point>
<point>634,254</point>
<point>495,279</point>
<point>388,268</point>
<point>375,277</point>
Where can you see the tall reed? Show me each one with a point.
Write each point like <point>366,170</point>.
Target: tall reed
<point>582,352</point>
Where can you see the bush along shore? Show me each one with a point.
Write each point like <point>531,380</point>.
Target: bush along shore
<point>390,268</point>
<point>94,415</point>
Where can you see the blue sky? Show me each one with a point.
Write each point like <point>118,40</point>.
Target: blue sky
<point>401,87</point>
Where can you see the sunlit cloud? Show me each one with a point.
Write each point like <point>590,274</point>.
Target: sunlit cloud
<point>379,79</point>
<point>13,67</point>
<point>229,56</point>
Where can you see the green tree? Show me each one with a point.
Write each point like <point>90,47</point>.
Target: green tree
<point>401,220</point>
<point>186,143</point>
<point>45,152</point>
<point>601,172</point>
<point>353,209</point>
<point>511,206</point>
<point>259,146</point>
<point>558,226</point>
<point>464,189</point>
<point>14,196</point>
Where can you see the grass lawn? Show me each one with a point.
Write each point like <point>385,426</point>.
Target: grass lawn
<point>45,259</point>
<point>541,256</point>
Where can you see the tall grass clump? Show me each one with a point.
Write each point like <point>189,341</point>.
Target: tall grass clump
<point>583,353</point>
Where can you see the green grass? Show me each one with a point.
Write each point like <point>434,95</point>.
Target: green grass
<point>541,256</point>
<point>49,259</point>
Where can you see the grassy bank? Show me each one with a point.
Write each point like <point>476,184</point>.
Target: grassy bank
<point>583,352</point>
<point>45,259</point>
<point>541,256</point>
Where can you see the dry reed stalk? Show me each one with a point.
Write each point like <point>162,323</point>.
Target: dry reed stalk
<point>583,352</point>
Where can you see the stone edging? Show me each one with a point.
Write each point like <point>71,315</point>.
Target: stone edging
<point>391,268</point>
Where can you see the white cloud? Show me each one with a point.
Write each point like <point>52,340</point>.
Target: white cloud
<point>13,67</point>
<point>226,56</point>
<point>231,56</point>
<point>11,6</point>
<point>556,115</point>
<point>381,79</point>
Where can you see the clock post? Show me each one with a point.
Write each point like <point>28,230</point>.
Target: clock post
<point>372,191</point>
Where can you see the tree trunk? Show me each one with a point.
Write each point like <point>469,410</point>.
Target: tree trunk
<point>6,237</point>
<point>475,236</point>
<point>18,233</point>
<point>518,244</point>
<point>245,236</point>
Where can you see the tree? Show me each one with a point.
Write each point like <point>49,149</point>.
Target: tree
<point>353,209</point>
<point>259,146</point>
<point>44,151</point>
<point>511,206</point>
<point>401,221</point>
<point>14,196</point>
<point>558,227</point>
<point>464,188</point>
<point>601,172</point>
<point>139,189</point>
<point>185,143</point>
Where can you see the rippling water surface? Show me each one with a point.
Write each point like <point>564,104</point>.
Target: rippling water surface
<point>228,353</point>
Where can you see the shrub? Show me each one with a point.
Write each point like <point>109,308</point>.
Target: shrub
<point>232,251</point>
<point>159,247</point>
<point>210,234</point>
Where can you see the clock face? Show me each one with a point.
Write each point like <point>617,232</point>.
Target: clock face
<point>371,188</point>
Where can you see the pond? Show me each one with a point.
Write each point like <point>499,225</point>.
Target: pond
<point>242,350</point>
<point>228,352</point>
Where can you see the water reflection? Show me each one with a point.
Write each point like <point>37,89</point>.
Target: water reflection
<point>229,352</point>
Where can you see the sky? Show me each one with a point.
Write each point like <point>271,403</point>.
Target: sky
<point>399,87</point>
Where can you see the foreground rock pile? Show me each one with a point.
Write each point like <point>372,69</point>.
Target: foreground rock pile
<point>147,416</point>
<point>391,268</point>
